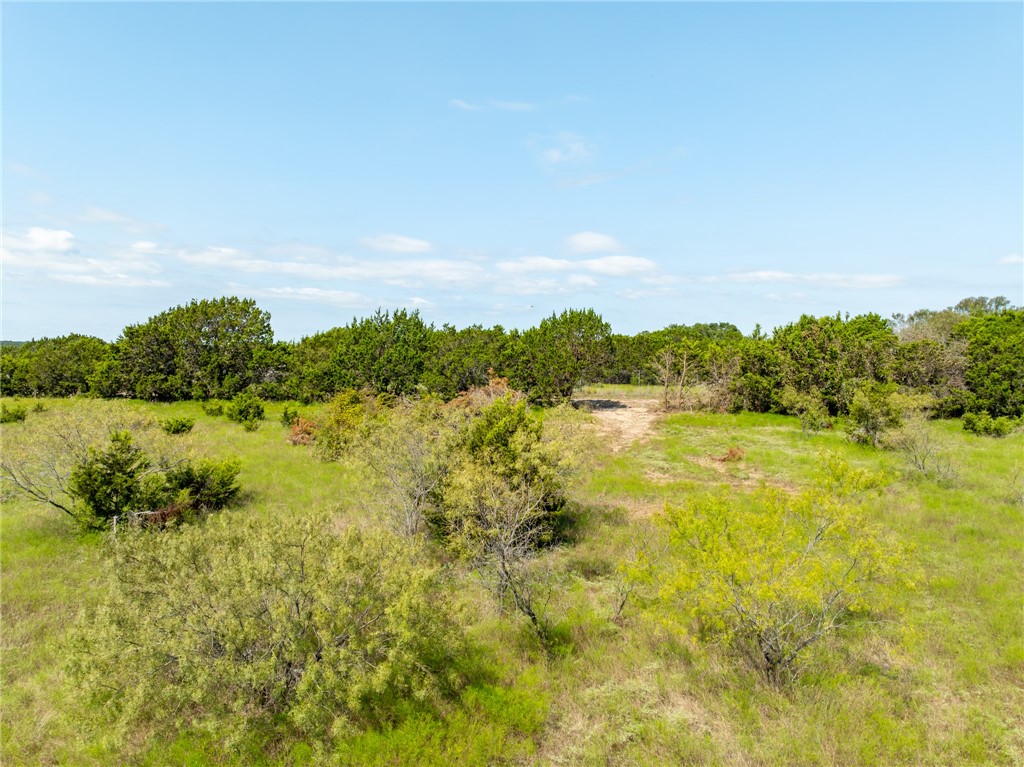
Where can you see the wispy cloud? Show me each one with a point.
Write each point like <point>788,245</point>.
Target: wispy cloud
<point>591,242</point>
<point>37,240</point>
<point>498,104</point>
<point>565,148</point>
<point>611,266</point>
<point>396,243</point>
<point>346,298</point>
<point>402,272</point>
<point>93,214</point>
<point>1014,259</point>
<point>589,180</point>
<point>512,106</point>
<point>819,279</point>
<point>117,280</point>
<point>55,254</point>
<point>464,105</point>
<point>539,286</point>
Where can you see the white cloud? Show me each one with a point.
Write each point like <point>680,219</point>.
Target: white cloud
<point>36,241</point>
<point>111,280</point>
<point>591,242</point>
<point>406,273</point>
<point>529,286</point>
<point>620,266</point>
<point>609,266</point>
<point>567,148</point>
<point>1014,259</point>
<point>344,298</point>
<point>464,105</point>
<point>396,243</point>
<point>56,255</point>
<point>95,215</point>
<point>581,181</point>
<point>819,279</point>
<point>504,106</point>
<point>535,264</point>
<point>512,106</point>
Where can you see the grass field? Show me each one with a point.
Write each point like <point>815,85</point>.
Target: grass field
<point>941,682</point>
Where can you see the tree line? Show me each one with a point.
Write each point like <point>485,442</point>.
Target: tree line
<point>969,358</point>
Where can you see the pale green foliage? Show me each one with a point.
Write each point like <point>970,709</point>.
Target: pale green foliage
<point>809,408</point>
<point>235,625</point>
<point>923,450</point>
<point>348,417</point>
<point>40,461</point>
<point>409,451</point>
<point>873,411</point>
<point>504,498</point>
<point>776,574</point>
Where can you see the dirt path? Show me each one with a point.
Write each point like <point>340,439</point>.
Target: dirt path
<point>622,421</point>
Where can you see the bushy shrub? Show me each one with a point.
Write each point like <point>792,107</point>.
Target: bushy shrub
<point>876,408</point>
<point>775,573</point>
<point>178,425</point>
<point>114,481</point>
<point>985,425</point>
<point>39,407</point>
<point>349,414</point>
<point>12,413</point>
<point>128,471</point>
<point>809,408</point>
<point>213,407</point>
<point>210,485</point>
<point>245,407</point>
<point>238,626</point>
<point>289,416</point>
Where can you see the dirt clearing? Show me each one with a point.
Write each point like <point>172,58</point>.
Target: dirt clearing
<point>622,422</point>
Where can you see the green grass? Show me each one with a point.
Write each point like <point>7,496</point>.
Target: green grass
<point>939,684</point>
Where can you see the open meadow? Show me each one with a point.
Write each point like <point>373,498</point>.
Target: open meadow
<point>625,676</point>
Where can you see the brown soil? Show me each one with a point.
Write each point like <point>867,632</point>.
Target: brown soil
<point>622,422</point>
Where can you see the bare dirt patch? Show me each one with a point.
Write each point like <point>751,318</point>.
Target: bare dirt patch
<point>622,422</point>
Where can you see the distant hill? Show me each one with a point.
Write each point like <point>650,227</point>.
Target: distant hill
<point>13,343</point>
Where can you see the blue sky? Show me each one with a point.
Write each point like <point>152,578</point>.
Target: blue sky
<point>492,163</point>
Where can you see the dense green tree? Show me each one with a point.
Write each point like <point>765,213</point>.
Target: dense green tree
<point>52,367</point>
<point>995,362</point>
<point>564,351</point>
<point>459,360</point>
<point>203,350</point>
<point>385,353</point>
<point>311,376</point>
<point>833,356</point>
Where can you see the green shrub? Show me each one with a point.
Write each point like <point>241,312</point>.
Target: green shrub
<point>213,407</point>
<point>875,409</point>
<point>349,415</point>
<point>289,416</point>
<point>776,573</point>
<point>122,481</point>
<point>808,407</point>
<point>12,414</point>
<point>178,425</point>
<point>114,481</point>
<point>210,484</point>
<point>236,626</point>
<point>246,407</point>
<point>39,407</point>
<point>985,425</point>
